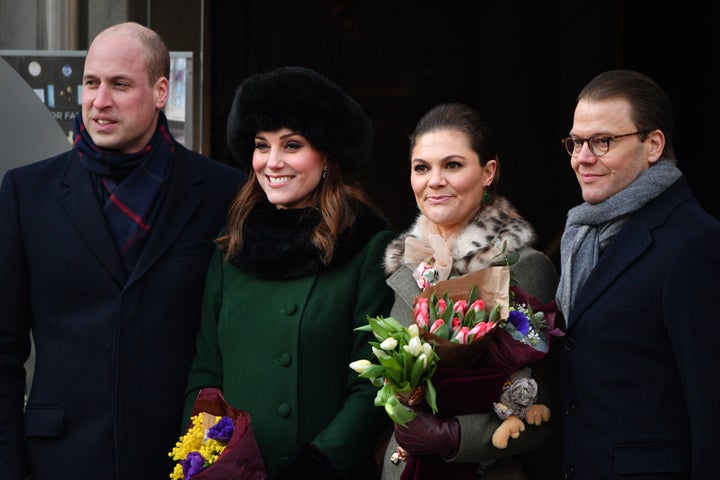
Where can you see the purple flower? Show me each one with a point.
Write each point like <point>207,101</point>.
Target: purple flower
<point>222,431</point>
<point>193,463</point>
<point>520,321</point>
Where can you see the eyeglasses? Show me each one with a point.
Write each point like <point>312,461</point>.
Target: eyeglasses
<point>599,145</point>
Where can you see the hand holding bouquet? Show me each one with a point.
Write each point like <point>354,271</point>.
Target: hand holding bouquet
<point>480,331</point>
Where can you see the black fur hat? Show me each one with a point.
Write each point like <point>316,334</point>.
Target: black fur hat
<point>304,101</point>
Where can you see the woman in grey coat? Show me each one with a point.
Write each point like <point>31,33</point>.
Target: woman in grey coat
<point>462,227</point>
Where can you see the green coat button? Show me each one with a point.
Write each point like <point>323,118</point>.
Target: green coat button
<point>284,410</point>
<point>288,308</point>
<point>285,359</point>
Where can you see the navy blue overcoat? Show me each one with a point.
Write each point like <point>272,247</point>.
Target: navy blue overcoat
<point>112,349</point>
<point>639,373</point>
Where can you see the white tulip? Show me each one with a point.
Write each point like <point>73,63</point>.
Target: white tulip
<point>360,366</point>
<point>413,330</point>
<point>389,344</point>
<point>423,358</point>
<point>414,346</point>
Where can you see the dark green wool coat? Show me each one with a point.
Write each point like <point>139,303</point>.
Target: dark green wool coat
<point>280,350</point>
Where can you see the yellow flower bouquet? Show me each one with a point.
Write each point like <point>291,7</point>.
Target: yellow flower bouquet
<point>219,443</point>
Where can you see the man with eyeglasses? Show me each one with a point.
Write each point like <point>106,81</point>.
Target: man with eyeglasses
<point>640,275</point>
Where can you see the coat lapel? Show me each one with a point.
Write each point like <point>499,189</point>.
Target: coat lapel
<point>629,244</point>
<point>80,201</point>
<point>181,201</point>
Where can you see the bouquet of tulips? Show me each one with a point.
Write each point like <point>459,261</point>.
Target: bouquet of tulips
<point>471,333</point>
<point>469,338</point>
<point>406,364</point>
<point>480,320</point>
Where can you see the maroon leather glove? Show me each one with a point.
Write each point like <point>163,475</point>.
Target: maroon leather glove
<point>428,434</point>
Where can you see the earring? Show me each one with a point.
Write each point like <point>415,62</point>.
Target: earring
<point>324,174</point>
<point>486,195</point>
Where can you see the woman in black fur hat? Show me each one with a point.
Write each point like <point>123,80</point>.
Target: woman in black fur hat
<point>298,268</point>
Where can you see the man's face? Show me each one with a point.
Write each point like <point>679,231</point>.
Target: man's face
<point>601,177</point>
<point>119,106</point>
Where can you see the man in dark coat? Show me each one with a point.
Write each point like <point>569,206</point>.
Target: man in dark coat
<point>640,272</point>
<point>103,256</point>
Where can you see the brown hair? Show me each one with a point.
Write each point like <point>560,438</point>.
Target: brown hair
<point>650,107</point>
<point>338,197</point>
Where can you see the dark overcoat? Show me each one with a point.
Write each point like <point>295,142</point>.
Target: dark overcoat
<point>639,373</point>
<point>112,349</point>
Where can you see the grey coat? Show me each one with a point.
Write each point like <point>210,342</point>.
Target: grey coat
<point>535,274</point>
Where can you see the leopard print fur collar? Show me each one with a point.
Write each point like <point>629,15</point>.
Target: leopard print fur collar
<point>478,245</point>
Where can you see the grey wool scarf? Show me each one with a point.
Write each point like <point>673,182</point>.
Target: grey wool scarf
<point>590,228</point>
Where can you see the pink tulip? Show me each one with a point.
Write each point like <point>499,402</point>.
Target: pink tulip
<point>480,329</point>
<point>478,305</point>
<point>421,312</point>
<point>422,304</point>
<point>460,307</point>
<point>422,319</point>
<point>441,306</point>
<point>436,324</point>
<point>456,324</point>
<point>461,335</point>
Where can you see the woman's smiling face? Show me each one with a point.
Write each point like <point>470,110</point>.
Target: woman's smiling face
<point>288,167</point>
<point>448,179</point>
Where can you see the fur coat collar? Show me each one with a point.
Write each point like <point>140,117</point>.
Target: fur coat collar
<point>277,246</point>
<point>478,245</point>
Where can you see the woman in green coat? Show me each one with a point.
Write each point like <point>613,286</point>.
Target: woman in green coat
<point>298,268</point>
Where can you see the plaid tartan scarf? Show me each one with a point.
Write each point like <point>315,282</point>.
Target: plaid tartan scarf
<point>130,186</point>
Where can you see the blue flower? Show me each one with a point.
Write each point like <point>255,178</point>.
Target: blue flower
<point>194,463</point>
<point>222,431</point>
<point>520,321</point>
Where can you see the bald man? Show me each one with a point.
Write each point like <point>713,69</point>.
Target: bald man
<point>103,255</point>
